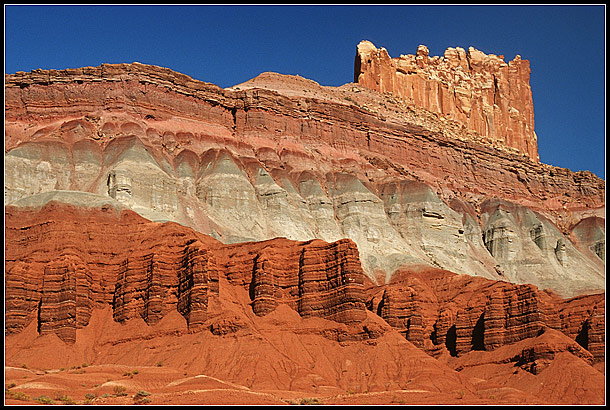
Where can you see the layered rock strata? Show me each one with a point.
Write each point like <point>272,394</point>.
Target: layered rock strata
<point>314,278</point>
<point>440,311</point>
<point>284,157</point>
<point>325,221</point>
<point>78,259</point>
<point>477,90</point>
<point>158,282</point>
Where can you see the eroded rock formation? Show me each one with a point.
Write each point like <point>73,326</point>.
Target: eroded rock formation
<point>478,90</point>
<point>440,311</point>
<point>91,270</point>
<point>341,229</point>
<point>281,156</point>
<point>79,259</point>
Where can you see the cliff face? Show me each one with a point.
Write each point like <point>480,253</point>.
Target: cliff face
<point>441,312</point>
<point>281,235</point>
<point>160,291</point>
<point>283,156</point>
<point>145,270</point>
<point>477,90</point>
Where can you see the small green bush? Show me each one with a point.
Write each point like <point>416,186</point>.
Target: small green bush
<point>119,391</point>
<point>141,397</point>
<point>16,395</point>
<point>44,400</point>
<point>65,399</point>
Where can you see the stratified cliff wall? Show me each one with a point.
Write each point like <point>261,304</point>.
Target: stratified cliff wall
<point>281,156</point>
<point>478,90</point>
<point>317,236</point>
<point>440,311</point>
<point>78,259</point>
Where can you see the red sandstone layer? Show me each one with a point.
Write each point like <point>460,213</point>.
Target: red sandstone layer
<point>76,260</point>
<point>478,90</point>
<point>93,284</point>
<point>440,311</point>
<point>79,259</point>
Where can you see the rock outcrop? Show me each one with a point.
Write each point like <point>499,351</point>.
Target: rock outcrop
<point>281,156</point>
<point>79,259</point>
<point>477,90</point>
<point>104,286</point>
<point>314,278</point>
<point>440,311</point>
<point>393,236</point>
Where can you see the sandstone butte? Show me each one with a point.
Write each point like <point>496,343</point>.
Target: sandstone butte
<point>395,240</point>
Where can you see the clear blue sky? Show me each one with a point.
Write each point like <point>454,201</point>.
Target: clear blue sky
<point>227,45</point>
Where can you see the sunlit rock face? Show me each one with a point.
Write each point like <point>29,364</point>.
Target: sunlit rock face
<point>438,310</point>
<point>281,156</point>
<point>79,259</point>
<point>449,239</point>
<point>480,91</point>
<point>590,234</point>
<point>530,249</point>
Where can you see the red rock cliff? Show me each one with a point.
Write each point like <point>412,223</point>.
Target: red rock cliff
<point>73,105</point>
<point>437,309</point>
<point>480,91</point>
<point>79,259</point>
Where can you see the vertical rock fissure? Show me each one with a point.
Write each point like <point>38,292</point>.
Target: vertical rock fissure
<point>478,334</point>
<point>583,335</point>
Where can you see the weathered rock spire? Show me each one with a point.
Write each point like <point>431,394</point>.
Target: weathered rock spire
<point>480,91</point>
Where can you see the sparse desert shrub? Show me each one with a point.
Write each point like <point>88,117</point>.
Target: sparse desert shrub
<point>119,391</point>
<point>44,400</point>
<point>310,400</point>
<point>141,397</point>
<point>65,399</point>
<point>159,364</point>
<point>16,395</point>
<point>89,398</point>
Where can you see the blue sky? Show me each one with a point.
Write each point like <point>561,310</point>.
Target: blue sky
<point>227,45</point>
